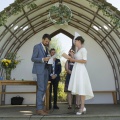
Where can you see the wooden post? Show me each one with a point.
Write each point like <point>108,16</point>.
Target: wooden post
<point>47,96</point>
<point>0,94</point>
<point>114,94</point>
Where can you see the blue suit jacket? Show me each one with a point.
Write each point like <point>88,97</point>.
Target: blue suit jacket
<point>38,54</point>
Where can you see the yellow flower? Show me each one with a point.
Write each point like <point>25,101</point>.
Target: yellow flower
<point>9,61</point>
<point>6,64</point>
<point>4,60</point>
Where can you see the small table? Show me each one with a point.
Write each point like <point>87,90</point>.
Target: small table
<point>20,82</point>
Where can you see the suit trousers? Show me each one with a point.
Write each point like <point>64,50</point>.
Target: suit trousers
<point>54,87</point>
<point>42,81</point>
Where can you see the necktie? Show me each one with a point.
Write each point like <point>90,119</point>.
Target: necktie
<point>53,68</point>
<point>46,52</point>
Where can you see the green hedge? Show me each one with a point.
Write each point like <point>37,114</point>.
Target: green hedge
<point>62,96</point>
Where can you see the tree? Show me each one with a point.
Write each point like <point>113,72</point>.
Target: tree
<point>56,44</point>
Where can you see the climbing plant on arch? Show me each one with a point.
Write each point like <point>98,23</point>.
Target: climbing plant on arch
<point>15,8</point>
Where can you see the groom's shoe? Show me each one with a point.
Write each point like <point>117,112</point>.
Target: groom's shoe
<point>41,112</point>
<point>47,111</point>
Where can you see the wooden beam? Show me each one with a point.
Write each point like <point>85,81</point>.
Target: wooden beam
<point>28,20</point>
<point>92,20</point>
<point>11,32</point>
<point>54,1</point>
<point>108,33</point>
<point>60,1</point>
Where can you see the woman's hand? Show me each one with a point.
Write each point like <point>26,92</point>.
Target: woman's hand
<point>72,59</point>
<point>69,71</point>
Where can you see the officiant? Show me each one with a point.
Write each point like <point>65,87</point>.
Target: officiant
<point>54,78</point>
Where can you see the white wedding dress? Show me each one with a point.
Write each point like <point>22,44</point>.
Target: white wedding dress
<point>79,81</point>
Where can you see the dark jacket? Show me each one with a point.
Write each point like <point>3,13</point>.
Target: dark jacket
<point>57,69</point>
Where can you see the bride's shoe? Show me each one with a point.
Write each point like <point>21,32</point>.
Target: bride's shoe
<point>80,112</point>
<point>77,106</point>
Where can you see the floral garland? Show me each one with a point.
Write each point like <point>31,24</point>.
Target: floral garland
<point>60,14</point>
<point>108,10</point>
<point>14,9</point>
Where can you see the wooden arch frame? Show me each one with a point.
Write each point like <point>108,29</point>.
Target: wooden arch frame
<point>105,45</point>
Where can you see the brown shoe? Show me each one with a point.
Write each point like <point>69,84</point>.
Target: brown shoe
<point>47,111</point>
<point>41,112</point>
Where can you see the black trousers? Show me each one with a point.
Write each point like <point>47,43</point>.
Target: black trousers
<point>54,89</point>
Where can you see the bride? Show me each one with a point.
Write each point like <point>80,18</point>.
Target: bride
<point>79,82</point>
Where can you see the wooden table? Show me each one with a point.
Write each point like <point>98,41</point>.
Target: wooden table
<point>20,82</point>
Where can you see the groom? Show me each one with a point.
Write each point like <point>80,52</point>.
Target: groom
<point>40,68</point>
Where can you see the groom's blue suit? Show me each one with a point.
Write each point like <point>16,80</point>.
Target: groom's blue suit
<point>42,73</point>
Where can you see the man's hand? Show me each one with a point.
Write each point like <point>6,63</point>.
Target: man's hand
<point>53,76</point>
<point>46,59</point>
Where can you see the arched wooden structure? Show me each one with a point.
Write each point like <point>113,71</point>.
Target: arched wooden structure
<point>84,18</point>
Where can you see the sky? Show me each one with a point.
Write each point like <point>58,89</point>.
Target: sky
<point>115,3</point>
<point>5,3</point>
<point>66,43</point>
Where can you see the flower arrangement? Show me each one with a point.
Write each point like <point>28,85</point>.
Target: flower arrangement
<point>9,63</point>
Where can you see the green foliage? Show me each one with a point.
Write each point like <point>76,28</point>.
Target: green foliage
<point>63,65</point>
<point>56,44</point>
<point>61,94</point>
<point>60,14</point>
<point>10,61</point>
<point>17,9</point>
<point>108,10</point>
<point>3,18</point>
<point>63,76</point>
<point>31,6</point>
<point>11,56</point>
<point>14,9</point>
